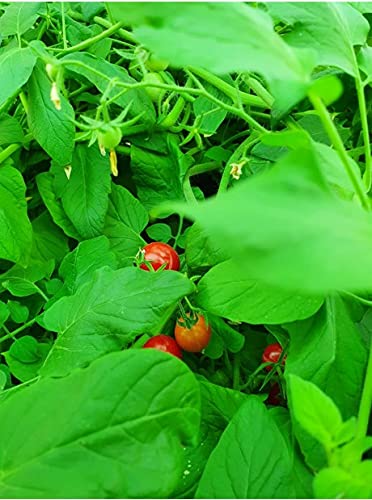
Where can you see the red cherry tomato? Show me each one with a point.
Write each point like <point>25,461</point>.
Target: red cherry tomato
<point>274,395</point>
<point>164,343</point>
<point>159,253</point>
<point>272,354</point>
<point>193,339</point>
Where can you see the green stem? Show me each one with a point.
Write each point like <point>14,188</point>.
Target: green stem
<point>9,150</point>
<point>202,168</point>
<point>179,231</point>
<point>19,330</point>
<point>92,40</point>
<point>63,16</point>
<point>188,192</point>
<point>260,90</point>
<point>199,92</point>
<point>359,299</point>
<point>229,90</point>
<point>24,102</point>
<point>174,114</point>
<point>366,401</point>
<point>365,132</point>
<point>244,146</point>
<point>339,147</point>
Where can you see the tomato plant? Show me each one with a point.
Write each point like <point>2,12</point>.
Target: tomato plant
<point>236,137</point>
<point>160,254</point>
<point>164,343</point>
<point>194,338</point>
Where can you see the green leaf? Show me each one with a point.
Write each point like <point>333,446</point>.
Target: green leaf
<point>19,18</point>
<point>49,242</point>
<point>25,350</point>
<point>201,250</point>
<point>15,227</point>
<point>10,130</point>
<point>107,312</point>
<point>53,129</point>
<point>85,198</point>
<point>79,266</point>
<point>241,35</point>
<point>331,29</point>
<point>223,337</point>
<point>275,244</point>
<point>17,64</point>
<point>365,62</point>
<point>102,73</point>
<point>20,287</point>
<point>314,411</point>
<point>227,290</point>
<point>335,482</point>
<point>159,232</point>
<point>47,192</point>
<point>18,312</point>
<point>157,177</point>
<point>126,218</point>
<point>4,313</point>
<point>34,272</point>
<point>301,476</point>
<point>251,459</point>
<point>218,407</point>
<point>128,447</point>
<point>25,356</point>
<point>317,353</point>
<point>329,88</point>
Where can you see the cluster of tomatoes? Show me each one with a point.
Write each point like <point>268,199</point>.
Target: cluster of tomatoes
<point>191,335</point>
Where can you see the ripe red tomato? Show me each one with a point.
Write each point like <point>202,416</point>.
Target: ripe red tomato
<point>159,253</point>
<point>272,354</point>
<point>164,343</point>
<point>193,339</point>
<point>273,397</point>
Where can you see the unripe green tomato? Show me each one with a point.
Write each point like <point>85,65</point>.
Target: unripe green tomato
<point>110,138</point>
<point>153,64</point>
<point>153,92</point>
<point>52,70</point>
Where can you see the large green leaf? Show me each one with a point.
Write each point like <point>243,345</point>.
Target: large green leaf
<point>327,350</point>
<point>85,197</point>
<point>219,405</point>
<point>314,411</point>
<point>107,312</point>
<point>79,266</point>
<point>102,74</point>
<point>301,476</point>
<point>334,482</point>
<point>17,65</point>
<point>201,251</point>
<point>49,242</point>
<point>125,220</point>
<point>251,459</point>
<point>45,185</point>
<point>19,17</point>
<point>284,227</point>
<point>10,130</point>
<point>241,35</point>
<point>112,430</point>
<point>330,28</point>
<point>15,227</point>
<point>53,129</point>
<point>157,177</point>
<point>227,290</point>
